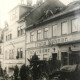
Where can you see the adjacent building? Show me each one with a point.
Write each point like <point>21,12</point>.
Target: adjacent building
<point>14,38</point>
<point>56,37</point>
<point>1,48</point>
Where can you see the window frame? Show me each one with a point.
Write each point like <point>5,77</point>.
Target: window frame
<point>53,31</point>
<point>46,32</point>
<point>62,28</point>
<point>39,34</point>
<point>72,26</point>
<point>32,36</point>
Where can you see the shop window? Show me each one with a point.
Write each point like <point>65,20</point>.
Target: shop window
<point>45,56</point>
<point>74,57</point>
<point>46,33</point>
<point>64,28</point>
<point>74,25</point>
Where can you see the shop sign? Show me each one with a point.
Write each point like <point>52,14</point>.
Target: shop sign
<point>52,41</point>
<point>58,40</point>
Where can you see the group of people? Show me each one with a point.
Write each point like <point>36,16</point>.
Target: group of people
<point>21,74</point>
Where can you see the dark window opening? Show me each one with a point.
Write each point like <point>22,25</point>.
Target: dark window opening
<point>64,58</point>
<point>54,56</point>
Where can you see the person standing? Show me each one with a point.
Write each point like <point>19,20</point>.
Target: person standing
<point>1,71</point>
<point>16,72</point>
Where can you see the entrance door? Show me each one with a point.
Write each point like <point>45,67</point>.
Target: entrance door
<point>54,56</point>
<point>64,58</point>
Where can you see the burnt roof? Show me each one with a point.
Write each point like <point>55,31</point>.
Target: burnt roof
<point>72,7</point>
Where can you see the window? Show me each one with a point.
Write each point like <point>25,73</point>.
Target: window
<point>10,36</point>
<point>64,28</point>
<point>19,53</point>
<point>6,55</point>
<point>46,33</point>
<point>74,25</point>
<point>21,31</point>
<point>11,54</point>
<point>55,30</point>
<point>39,34</point>
<point>6,38</point>
<point>0,49</point>
<point>32,36</point>
<point>45,56</point>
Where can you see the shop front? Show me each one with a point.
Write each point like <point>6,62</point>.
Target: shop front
<point>71,54</point>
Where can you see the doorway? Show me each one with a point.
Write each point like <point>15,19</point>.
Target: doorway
<point>74,57</point>
<point>64,58</point>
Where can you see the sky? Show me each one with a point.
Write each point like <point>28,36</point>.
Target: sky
<point>7,5</point>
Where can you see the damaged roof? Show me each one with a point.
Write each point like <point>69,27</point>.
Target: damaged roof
<point>72,7</point>
<point>35,14</point>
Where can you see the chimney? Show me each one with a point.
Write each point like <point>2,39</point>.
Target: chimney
<point>29,2</point>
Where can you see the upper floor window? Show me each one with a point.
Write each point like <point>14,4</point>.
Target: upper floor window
<point>19,53</point>
<point>8,37</point>
<point>46,33</point>
<point>11,54</point>
<point>64,27</point>
<point>13,15</point>
<point>0,50</point>
<point>6,55</point>
<point>54,30</point>
<point>32,36</point>
<point>74,25</point>
<point>21,30</point>
<point>39,34</point>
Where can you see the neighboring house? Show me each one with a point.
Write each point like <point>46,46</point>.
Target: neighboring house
<point>1,48</point>
<point>14,38</point>
<point>56,37</point>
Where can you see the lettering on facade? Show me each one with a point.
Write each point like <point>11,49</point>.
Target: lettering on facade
<point>39,51</point>
<point>51,42</point>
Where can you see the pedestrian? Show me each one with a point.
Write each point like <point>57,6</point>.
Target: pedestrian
<point>23,72</point>
<point>1,71</point>
<point>16,72</point>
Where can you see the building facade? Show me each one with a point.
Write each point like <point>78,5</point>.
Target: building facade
<point>1,48</point>
<point>14,38</point>
<point>56,37</point>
